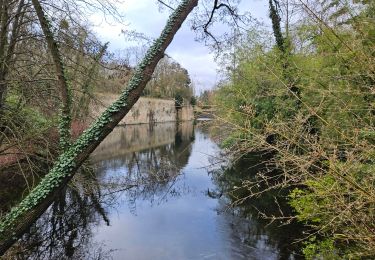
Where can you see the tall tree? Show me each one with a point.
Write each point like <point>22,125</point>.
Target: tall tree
<point>10,17</point>
<point>274,14</point>
<point>65,90</point>
<point>283,44</point>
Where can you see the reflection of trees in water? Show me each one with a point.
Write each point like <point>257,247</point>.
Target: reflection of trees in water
<point>115,150</point>
<point>249,215</point>
<point>152,172</point>
<point>64,231</point>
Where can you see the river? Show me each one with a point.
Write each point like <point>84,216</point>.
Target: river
<point>155,192</point>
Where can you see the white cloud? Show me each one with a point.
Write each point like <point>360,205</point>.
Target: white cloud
<point>144,17</point>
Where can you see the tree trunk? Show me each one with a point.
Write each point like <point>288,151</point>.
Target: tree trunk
<point>20,217</point>
<point>4,19</point>
<point>7,48</point>
<point>65,91</point>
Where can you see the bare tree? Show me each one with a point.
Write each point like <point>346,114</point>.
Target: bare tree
<point>11,16</point>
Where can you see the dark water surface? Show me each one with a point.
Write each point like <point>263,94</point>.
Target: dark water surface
<point>155,193</point>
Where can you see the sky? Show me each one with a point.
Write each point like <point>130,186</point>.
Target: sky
<point>145,17</point>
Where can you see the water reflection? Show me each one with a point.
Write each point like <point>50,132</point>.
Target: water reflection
<point>64,231</point>
<point>262,222</point>
<point>152,197</point>
<point>151,167</point>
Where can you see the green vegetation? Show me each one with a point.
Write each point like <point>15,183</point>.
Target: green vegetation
<point>312,102</point>
<point>170,80</point>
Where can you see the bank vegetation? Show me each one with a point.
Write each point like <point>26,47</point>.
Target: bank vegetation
<point>306,94</point>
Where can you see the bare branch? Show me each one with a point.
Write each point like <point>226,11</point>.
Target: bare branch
<point>165,4</point>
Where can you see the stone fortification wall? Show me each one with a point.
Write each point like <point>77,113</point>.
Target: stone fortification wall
<point>185,113</point>
<point>146,110</point>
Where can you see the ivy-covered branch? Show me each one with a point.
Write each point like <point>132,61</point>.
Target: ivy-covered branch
<point>65,90</point>
<point>283,44</point>
<point>13,224</point>
<point>276,27</point>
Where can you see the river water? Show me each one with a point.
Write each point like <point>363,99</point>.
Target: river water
<point>156,192</point>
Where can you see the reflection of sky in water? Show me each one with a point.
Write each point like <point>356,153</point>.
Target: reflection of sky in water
<point>161,202</point>
<point>189,226</point>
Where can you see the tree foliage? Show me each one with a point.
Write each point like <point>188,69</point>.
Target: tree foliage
<point>323,135</point>
<point>170,80</point>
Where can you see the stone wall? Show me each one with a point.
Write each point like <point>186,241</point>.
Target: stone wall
<point>185,113</point>
<point>146,110</point>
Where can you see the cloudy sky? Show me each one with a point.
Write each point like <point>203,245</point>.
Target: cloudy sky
<point>145,17</point>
